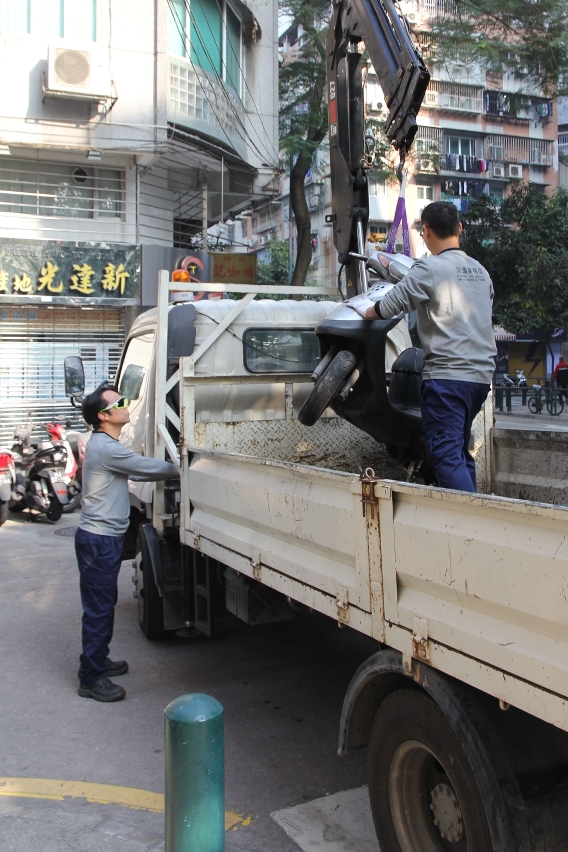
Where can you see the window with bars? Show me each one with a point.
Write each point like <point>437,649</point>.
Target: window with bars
<point>57,189</point>
<point>520,149</point>
<point>75,20</point>
<point>460,145</point>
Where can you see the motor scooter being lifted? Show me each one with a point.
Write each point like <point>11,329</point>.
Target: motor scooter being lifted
<point>363,380</point>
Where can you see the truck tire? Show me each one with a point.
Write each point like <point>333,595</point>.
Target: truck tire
<point>423,792</point>
<point>150,604</point>
<point>326,387</point>
<point>3,511</point>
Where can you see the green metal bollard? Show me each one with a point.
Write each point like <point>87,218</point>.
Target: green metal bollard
<point>508,399</point>
<point>195,775</point>
<point>499,398</point>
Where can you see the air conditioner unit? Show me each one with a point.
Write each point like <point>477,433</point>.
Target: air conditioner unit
<point>515,172</point>
<point>77,73</point>
<point>498,171</point>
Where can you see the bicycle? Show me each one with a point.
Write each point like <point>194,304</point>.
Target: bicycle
<point>552,401</point>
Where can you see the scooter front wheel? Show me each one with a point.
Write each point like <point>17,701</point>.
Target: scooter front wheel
<point>326,387</point>
<point>3,511</point>
<point>55,509</point>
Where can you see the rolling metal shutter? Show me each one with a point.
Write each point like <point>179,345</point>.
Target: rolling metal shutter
<point>33,343</point>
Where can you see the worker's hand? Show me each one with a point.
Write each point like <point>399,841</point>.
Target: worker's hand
<point>362,304</point>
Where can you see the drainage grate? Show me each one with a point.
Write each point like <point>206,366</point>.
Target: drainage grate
<point>68,531</point>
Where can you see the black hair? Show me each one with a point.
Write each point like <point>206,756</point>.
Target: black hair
<point>92,404</point>
<point>443,218</point>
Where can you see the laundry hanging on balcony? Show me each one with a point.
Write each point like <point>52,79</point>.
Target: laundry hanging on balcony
<point>466,163</point>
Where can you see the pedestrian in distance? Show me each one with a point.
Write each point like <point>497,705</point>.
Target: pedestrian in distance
<point>560,376</point>
<point>452,295</point>
<point>105,514</point>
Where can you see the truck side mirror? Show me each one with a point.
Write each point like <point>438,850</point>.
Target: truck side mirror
<point>74,376</point>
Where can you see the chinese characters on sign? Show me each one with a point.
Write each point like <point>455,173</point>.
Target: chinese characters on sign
<point>232,268</point>
<point>69,271</point>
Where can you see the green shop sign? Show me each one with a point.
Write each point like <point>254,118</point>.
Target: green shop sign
<point>40,271</point>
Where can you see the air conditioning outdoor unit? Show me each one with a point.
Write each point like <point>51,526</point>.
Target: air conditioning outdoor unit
<point>498,171</point>
<point>77,73</point>
<point>516,172</point>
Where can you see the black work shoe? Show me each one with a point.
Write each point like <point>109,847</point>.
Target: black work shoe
<point>102,690</point>
<point>113,669</point>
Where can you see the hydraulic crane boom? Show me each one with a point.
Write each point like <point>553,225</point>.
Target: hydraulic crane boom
<point>404,79</point>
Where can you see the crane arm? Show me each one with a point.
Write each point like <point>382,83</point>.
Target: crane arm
<point>404,79</point>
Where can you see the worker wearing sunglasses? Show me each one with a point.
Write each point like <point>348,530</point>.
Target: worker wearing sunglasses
<point>105,517</point>
<point>119,403</point>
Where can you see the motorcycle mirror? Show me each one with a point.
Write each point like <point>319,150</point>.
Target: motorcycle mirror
<point>74,376</point>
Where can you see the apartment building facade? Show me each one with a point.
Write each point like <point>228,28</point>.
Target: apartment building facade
<point>479,129</point>
<point>129,131</point>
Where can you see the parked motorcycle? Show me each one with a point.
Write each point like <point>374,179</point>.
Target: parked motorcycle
<point>519,381</point>
<point>40,475</point>
<point>75,455</point>
<point>7,482</point>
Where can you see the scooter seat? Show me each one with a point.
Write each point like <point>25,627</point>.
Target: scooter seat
<point>404,386</point>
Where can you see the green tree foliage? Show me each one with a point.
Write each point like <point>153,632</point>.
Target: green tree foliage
<point>303,116</point>
<point>524,247</point>
<point>275,270</point>
<point>527,37</point>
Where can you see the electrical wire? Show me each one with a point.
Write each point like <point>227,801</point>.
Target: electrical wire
<point>243,76</point>
<point>256,348</point>
<point>245,135</point>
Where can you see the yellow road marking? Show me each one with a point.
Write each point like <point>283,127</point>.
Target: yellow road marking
<point>102,794</point>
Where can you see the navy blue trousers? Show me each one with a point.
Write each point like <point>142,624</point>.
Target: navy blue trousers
<point>99,558</point>
<point>448,410</point>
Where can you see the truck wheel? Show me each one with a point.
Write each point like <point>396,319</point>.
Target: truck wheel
<point>424,796</point>
<point>326,387</point>
<point>150,605</point>
<point>3,511</point>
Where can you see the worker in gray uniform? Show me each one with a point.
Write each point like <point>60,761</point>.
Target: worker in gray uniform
<point>105,515</point>
<point>452,295</point>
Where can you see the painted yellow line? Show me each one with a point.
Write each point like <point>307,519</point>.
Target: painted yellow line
<point>102,794</point>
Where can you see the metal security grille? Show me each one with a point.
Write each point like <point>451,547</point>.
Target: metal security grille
<point>33,344</point>
<point>58,189</point>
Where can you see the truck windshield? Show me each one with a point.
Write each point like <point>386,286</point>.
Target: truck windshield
<point>280,350</point>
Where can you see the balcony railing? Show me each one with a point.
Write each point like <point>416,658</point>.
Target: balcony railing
<point>563,143</point>
<point>454,97</point>
<point>519,149</point>
<point>200,102</point>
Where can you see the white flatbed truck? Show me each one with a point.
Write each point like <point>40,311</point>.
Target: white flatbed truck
<point>464,707</point>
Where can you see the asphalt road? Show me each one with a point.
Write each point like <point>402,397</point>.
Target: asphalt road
<point>282,688</point>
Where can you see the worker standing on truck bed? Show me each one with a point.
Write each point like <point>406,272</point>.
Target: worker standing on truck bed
<point>452,295</point>
<point>105,515</point>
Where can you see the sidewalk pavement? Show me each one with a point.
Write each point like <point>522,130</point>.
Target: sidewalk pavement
<point>76,825</point>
